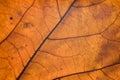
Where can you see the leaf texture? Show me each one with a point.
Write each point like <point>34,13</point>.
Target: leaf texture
<point>24,25</point>
<point>60,40</point>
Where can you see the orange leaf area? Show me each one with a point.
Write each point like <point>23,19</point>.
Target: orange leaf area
<point>59,40</point>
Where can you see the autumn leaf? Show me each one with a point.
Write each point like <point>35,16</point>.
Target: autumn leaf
<point>60,40</point>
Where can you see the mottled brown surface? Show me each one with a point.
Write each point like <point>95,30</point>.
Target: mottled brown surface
<point>60,40</point>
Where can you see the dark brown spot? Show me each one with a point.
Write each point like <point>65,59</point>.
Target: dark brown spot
<point>27,25</point>
<point>11,18</point>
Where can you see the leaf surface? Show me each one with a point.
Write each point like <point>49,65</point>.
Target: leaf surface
<point>24,26</point>
<point>60,39</point>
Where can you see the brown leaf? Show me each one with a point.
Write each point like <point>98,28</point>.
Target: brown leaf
<point>60,39</point>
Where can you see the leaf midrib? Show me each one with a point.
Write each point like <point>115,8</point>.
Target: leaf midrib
<point>45,40</point>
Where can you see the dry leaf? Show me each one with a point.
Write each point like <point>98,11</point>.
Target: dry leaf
<point>60,40</point>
